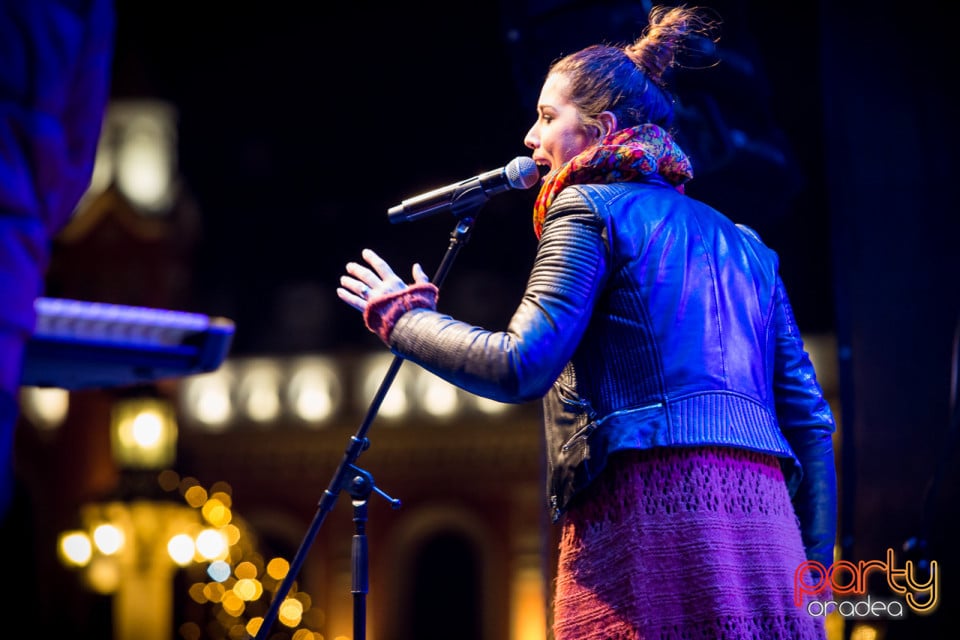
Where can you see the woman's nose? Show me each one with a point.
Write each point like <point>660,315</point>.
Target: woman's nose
<point>530,140</point>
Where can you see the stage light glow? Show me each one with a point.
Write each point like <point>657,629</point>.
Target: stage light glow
<point>45,407</point>
<point>103,575</point>
<point>291,612</point>
<point>491,407</point>
<point>258,390</point>
<point>278,568</point>
<point>211,544</point>
<point>218,571</point>
<point>313,391</point>
<point>108,539</point>
<point>396,402</point>
<point>438,397</point>
<point>245,589</point>
<point>144,138</point>
<point>216,513</point>
<point>181,549</point>
<point>143,433</point>
<point>75,548</point>
<point>206,398</point>
<point>195,496</point>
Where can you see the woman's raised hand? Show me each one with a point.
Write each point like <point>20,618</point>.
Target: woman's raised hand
<point>362,283</point>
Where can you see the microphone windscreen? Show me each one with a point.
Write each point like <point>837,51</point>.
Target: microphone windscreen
<point>522,173</point>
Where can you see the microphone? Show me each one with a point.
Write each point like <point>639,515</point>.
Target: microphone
<point>467,195</point>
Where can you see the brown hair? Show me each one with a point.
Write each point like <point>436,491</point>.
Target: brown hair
<point>628,80</point>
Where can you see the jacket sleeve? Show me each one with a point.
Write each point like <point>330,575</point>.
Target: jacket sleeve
<point>808,424</point>
<point>522,362</point>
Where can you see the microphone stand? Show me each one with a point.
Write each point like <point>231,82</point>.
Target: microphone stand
<point>358,481</point>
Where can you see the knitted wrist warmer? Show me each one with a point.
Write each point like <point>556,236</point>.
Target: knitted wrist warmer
<point>384,311</point>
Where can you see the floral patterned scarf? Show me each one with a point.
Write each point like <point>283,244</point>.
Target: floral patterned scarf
<point>627,155</point>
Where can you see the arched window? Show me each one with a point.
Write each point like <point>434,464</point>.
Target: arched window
<point>445,599</point>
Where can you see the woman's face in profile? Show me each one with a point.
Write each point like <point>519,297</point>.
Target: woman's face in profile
<point>558,134</point>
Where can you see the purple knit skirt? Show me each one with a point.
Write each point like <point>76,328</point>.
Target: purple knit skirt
<point>682,544</point>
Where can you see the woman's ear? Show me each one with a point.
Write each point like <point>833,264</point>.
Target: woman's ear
<point>608,121</point>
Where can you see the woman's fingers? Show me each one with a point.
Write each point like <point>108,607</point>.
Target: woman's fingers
<point>379,265</point>
<point>360,283</point>
<point>355,286</point>
<point>419,275</point>
<point>363,275</point>
<point>351,299</point>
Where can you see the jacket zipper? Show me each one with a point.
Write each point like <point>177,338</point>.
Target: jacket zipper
<point>581,404</point>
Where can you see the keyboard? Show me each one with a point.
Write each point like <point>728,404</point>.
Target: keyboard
<point>83,345</point>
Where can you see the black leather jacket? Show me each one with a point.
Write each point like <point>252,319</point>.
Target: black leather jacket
<point>649,319</point>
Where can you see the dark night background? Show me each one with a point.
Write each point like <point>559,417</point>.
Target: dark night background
<point>299,130</point>
<point>826,127</point>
